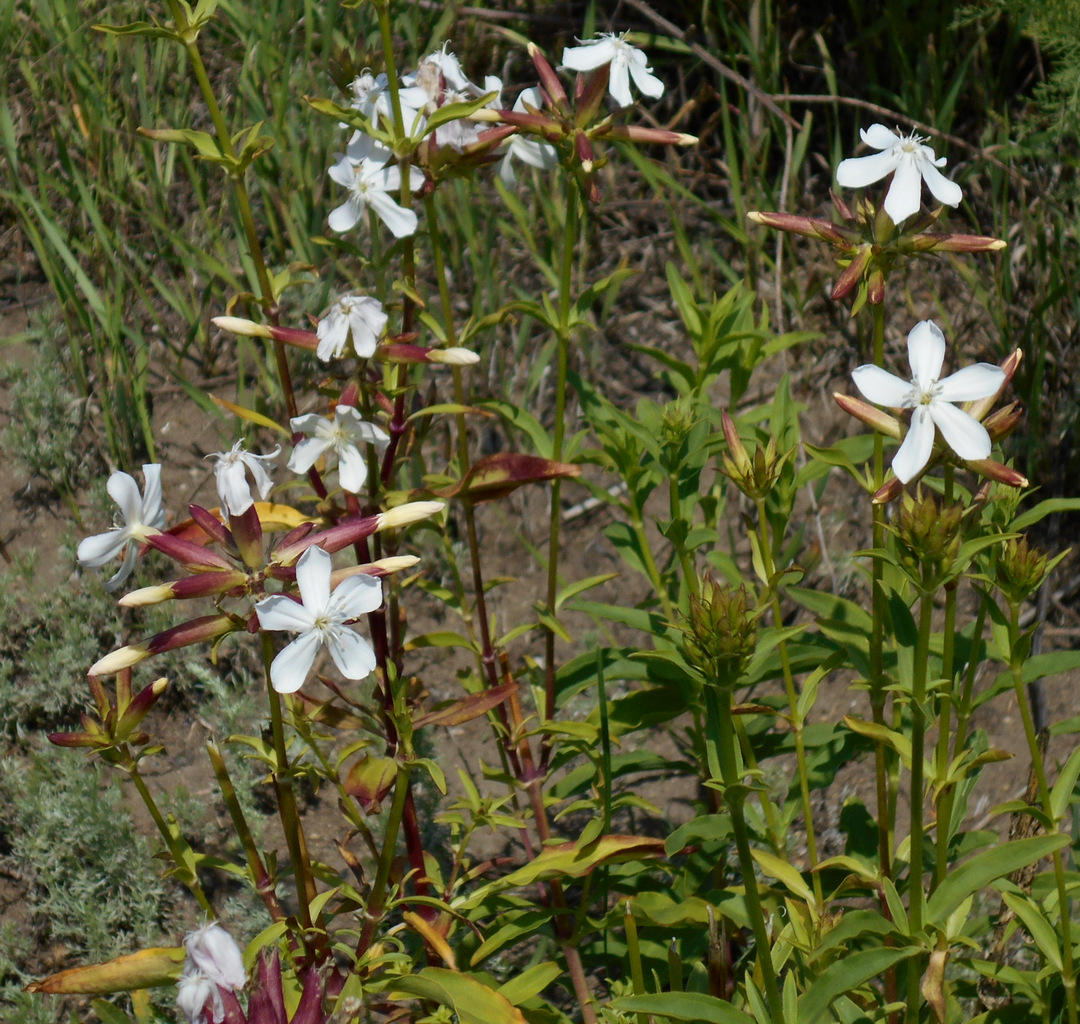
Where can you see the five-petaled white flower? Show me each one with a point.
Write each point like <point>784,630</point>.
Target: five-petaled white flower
<point>343,435</point>
<point>231,470</point>
<point>930,400</point>
<point>321,622</point>
<point>528,151</point>
<point>626,62</point>
<point>910,163</point>
<point>360,316</point>
<point>143,515</point>
<point>370,183</point>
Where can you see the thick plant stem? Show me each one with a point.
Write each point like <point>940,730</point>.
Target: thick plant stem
<point>150,803</point>
<point>722,746</point>
<point>290,817</point>
<point>1016,664</point>
<point>885,823</point>
<point>566,284</point>
<point>916,895</point>
<point>797,723</point>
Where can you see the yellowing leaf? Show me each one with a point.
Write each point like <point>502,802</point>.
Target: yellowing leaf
<point>145,969</point>
<point>470,999</point>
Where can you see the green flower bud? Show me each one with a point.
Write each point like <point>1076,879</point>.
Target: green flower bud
<point>721,631</point>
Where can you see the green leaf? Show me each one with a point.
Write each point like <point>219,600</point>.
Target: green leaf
<point>470,999</point>
<point>581,586</point>
<point>691,1006</point>
<point>846,975</point>
<point>984,868</point>
<point>1062,792</point>
<point>527,984</point>
<point>1041,931</point>
<point>1042,510</point>
<point>109,1014</point>
<point>138,28</point>
<point>782,871</point>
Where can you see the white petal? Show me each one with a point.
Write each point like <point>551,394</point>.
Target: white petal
<point>290,668</point>
<point>352,469</point>
<point>963,433</point>
<point>351,653</point>
<point>95,551</point>
<point>125,492</point>
<point>589,55</point>
<point>125,570</point>
<point>152,512</point>
<point>860,171</point>
<point>401,223</point>
<point>313,578</point>
<point>972,382</point>
<point>385,179</point>
<point>926,353</point>
<point>943,190</point>
<point>232,486</point>
<point>506,168</point>
<point>915,452</point>
<point>307,452</point>
<point>878,136</point>
<point>535,154</point>
<point>343,172</point>
<point>902,199</point>
<point>648,84</point>
<point>278,612</point>
<point>881,387</point>
<point>344,217</point>
<point>356,595</point>
<point>263,484</point>
<point>619,84</point>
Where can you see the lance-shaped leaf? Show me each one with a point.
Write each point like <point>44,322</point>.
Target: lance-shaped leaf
<point>146,969</point>
<point>495,476</point>
<point>468,708</point>
<point>699,1007</point>
<point>470,999</point>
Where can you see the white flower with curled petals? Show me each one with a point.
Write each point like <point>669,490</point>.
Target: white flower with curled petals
<point>359,317</point>
<point>215,953</point>
<point>930,400</point>
<point>371,183</point>
<point>321,620</point>
<point>231,473</point>
<point>909,162</point>
<point>626,62</point>
<point>343,435</point>
<point>142,514</point>
<point>194,991</point>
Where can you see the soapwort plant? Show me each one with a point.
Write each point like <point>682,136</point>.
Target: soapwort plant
<point>717,635</point>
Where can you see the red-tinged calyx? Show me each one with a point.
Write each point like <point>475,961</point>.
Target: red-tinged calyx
<point>138,709</point>
<point>936,241</point>
<point>889,491</point>
<point>247,532</point>
<point>297,338</point>
<point>589,93</point>
<point>660,136</point>
<point>1002,422</point>
<point>549,81</point>
<point>871,415</point>
<point>190,555</point>
<point>204,584</point>
<point>811,227</point>
<point>1001,473</point>
<point>381,567</point>
<point>200,630</point>
<point>853,273</point>
<point>395,353</point>
<point>213,527</point>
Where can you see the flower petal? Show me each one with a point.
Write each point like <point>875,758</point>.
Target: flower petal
<point>882,387</point>
<point>232,486</point>
<point>307,452</point>
<point>972,382</point>
<point>313,579</point>
<point>290,668</point>
<point>95,551</point>
<point>152,512</point>
<point>589,55</point>
<point>914,453</point>
<point>401,223</point>
<point>860,171</point>
<point>352,468</point>
<point>878,136</point>
<point>351,653</point>
<point>355,596</point>
<point>125,570</point>
<point>278,612</point>
<point>124,491</point>
<point>963,433</point>
<point>619,84</point>
<point>344,217</point>
<point>926,353</point>
<point>941,188</point>
<point>903,198</point>
<point>648,84</point>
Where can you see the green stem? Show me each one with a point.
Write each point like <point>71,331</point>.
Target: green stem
<point>722,746</point>
<point>916,894</point>
<point>177,854</point>
<point>797,724</point>
<point>1016,664</point>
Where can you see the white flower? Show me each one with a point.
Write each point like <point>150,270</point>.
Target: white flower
<point>321,622</point>
<point>231,469</point>
<point>370,183</point>
<point>626,62</point>
<point>194,990</point>
<point>356,315</point>
<point>343,435</point>
<point>143,515</point>
<point>909,162</point>
<point>371,96</point>
<point>535,154</point>
<point>930,400</point>
<point>216,955</point>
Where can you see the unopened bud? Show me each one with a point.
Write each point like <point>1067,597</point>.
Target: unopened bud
<point>238,325</point>
<point>721,631</point>
<point>412,512</point>
<point>930,535</point>
<point>1021,569</point>
<point>871,415</point>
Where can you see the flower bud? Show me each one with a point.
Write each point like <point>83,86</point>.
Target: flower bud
<point>1021,569</point>
<point>930,535</point>
<point>721,631</point>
